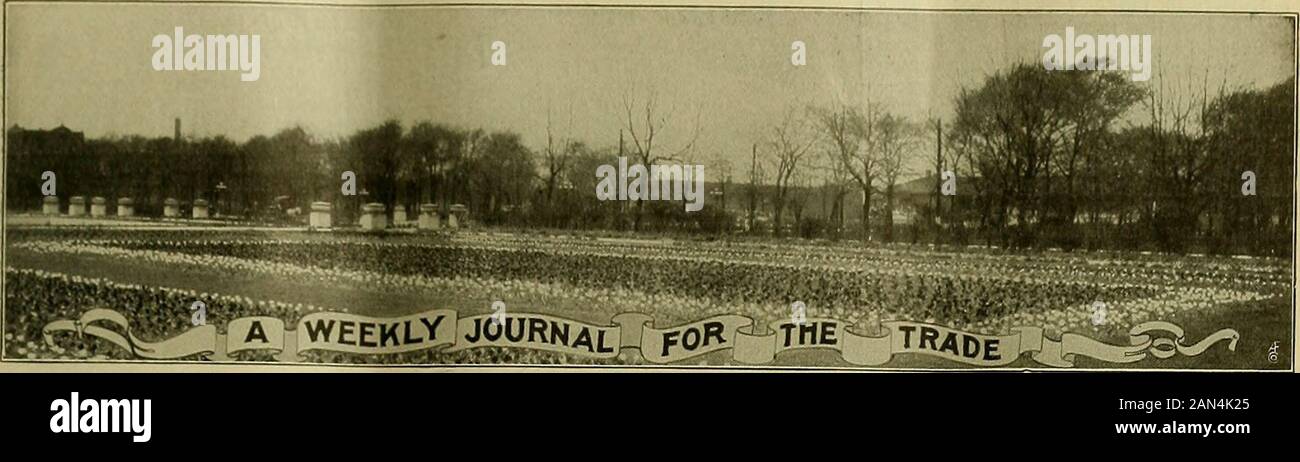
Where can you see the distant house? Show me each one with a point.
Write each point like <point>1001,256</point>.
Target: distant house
<point>914,196</point>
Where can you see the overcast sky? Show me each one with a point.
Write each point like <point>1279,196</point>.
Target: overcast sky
<point>334,70</point>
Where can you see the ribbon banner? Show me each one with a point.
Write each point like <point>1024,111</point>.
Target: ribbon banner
<point>748,342</point>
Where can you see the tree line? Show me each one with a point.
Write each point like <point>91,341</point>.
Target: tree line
<point>1035,158</point>
<point>1071,159</point>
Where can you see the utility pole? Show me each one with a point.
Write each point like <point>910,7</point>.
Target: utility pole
<point>622,205</point>
<point>938,175</point>
<point>753,185</point>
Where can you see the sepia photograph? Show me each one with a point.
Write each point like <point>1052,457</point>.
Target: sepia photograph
<point>647,188</point>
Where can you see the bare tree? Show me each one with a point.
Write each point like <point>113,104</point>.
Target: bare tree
<point>1179,160</point>
<point>850,132</point>
<point>835,180</point>
<point>558,154</point>
<point>788,145</point>
<point>896,138</point>
<point>800,190</point>
<point>836,185</point>
<point>646,124</point>
<point>751,194</point>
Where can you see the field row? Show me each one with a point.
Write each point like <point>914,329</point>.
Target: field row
<point>592,281</point>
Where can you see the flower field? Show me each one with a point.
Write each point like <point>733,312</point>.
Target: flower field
<point>155,275</point>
